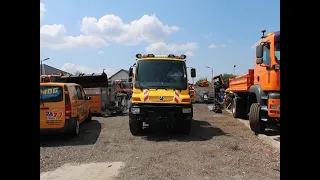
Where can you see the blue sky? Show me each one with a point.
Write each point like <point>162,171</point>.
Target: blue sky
<point>106,34</point>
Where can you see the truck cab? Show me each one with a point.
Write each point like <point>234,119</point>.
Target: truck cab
<point>160,93</point>
<point>256,95</point>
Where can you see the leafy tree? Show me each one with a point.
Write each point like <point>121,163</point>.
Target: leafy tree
<point>201,79</point>
<point>78,73</point>
<point>226,78</point>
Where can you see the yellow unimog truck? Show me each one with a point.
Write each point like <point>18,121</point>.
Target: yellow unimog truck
<point>160,93</point>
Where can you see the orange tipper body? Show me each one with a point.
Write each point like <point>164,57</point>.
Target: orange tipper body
<point>258,91</point>
<point>161,93</point>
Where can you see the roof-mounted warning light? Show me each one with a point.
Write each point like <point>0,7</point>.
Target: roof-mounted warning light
<point>139,56</point>
<point>183,56</point>
<point>171,56</point>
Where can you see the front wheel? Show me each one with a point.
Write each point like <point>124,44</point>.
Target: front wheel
<point>185,126</point>
<point>135,126</point>
<point>256,124</point>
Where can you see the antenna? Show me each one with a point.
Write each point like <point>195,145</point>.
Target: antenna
<point>263,31</point>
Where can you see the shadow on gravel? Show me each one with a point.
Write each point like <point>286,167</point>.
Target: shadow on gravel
<point>200,131</point>
<point>89,133</point>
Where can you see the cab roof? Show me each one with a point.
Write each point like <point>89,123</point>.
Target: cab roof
<point>170,57</point>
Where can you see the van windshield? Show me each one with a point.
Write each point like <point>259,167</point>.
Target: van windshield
<point>50,94</point>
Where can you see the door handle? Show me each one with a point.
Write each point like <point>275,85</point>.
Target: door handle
<point>44,108</point>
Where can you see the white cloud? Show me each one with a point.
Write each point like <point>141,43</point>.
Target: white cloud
<point>212,46</point>
<point>163,48</point>
<point>54,37</point>
<point>72,68</point>
<point>189,54</point>
<point>230,41</point>
<point>42,10</point>
<point>100,52</point>
<point>111,28</point>
<point>223,46</point>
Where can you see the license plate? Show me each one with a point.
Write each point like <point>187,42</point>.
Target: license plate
<point>205,96</point>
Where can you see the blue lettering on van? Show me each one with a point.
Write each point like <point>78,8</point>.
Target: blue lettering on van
<point>49,92</point>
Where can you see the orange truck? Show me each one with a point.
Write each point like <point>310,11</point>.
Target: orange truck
<point>256,95</point>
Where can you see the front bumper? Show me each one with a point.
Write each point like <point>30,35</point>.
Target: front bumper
<point>161,113</point>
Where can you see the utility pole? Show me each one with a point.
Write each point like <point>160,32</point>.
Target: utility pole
<point>42,64</point>
<point>234,69</point>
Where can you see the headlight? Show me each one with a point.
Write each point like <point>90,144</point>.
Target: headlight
<point>186,110</point>
<point>135,110</point>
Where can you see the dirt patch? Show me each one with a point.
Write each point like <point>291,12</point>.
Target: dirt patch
<point>91,171</point>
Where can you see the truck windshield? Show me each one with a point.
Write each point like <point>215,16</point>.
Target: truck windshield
<point>277,49</point>
<point>161,74</point>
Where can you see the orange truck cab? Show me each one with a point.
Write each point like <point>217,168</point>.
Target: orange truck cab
<point>257,94</point>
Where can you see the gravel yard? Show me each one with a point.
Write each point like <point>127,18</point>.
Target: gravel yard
<point>218,148</point>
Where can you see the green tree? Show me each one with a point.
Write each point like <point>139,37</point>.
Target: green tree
<point>201,79</point>
<point>226,78</point>
<point>77,73</point>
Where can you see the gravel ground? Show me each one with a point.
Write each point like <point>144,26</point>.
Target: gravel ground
<point>219,147</point>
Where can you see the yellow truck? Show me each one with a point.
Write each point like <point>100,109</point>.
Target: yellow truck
<point>160,94</point>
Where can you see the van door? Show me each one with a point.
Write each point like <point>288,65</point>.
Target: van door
<point>52,106</point>
<point>80,103</point>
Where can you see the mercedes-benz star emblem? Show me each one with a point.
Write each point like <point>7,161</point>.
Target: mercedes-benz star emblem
<point>161,97</point>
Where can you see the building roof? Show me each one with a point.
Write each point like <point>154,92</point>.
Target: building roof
<point>51,70</point>
<point>119,72</point>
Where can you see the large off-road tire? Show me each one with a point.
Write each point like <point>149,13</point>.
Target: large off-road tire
<point>75,128</point>
<point>135,126</point>
<point>236,109</point>
<point>185,126</point>
<point>256,124</point>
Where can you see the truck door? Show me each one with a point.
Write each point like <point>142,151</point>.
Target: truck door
<point>261,74</point>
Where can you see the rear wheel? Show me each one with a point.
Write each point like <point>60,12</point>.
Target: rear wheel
<point>75,129</point>
<point>236,110</point>
<point>135,126</point>
<point>89,118</point>
<point>256,124</point>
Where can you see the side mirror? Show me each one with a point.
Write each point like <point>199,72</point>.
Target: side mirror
<point>130,79</point>
<point>193,72</point>
<point>130,72</point>
<point>259,51</point>
<point>88,97</point>
<point>259,61</point>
